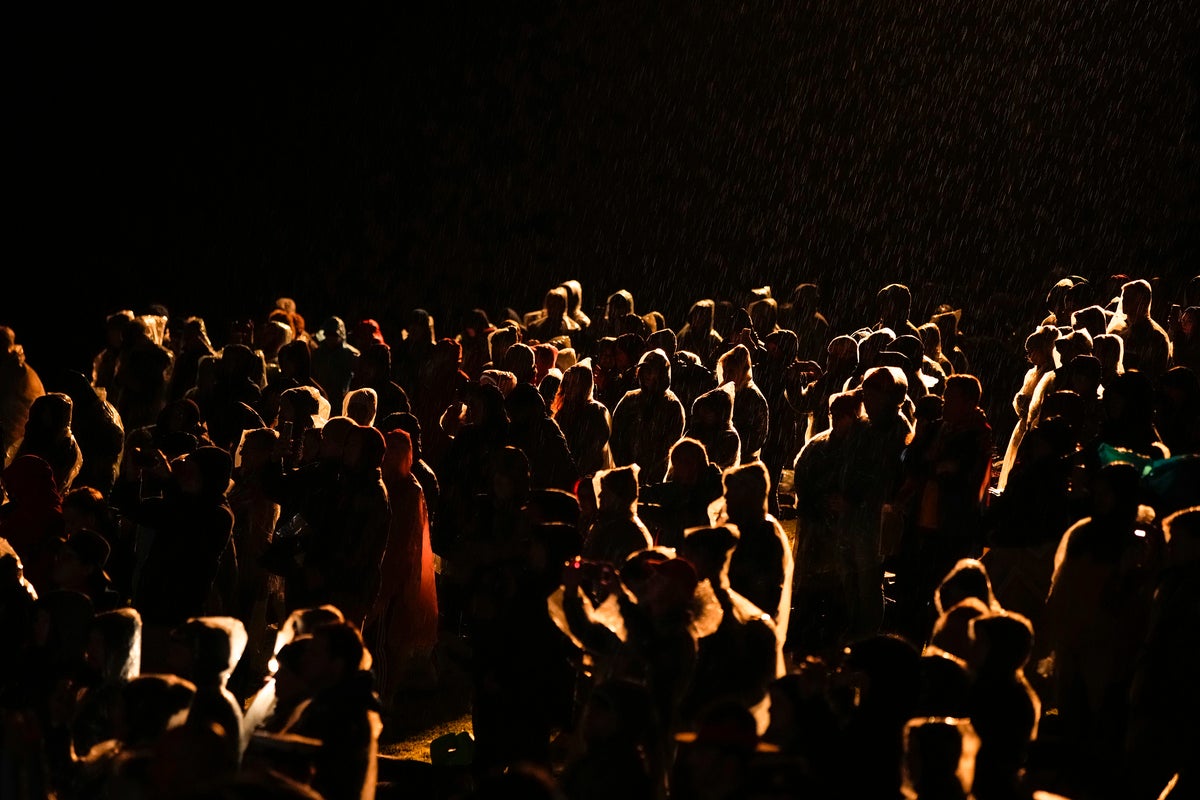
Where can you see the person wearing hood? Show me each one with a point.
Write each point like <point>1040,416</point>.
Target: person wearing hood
<point>535,433</point>
<point>334,360</point>
<point>618,305</point>
<point>343,564</point>
<point>473,338</point>
<point>762,564</point>
<point>255,514</point>
<point>416,343</point>
<point>553,320</point>
<point>648,420</point>
<point>582,339</point>
<point>205,651</point>
<point>192,525</point>
<point>1068,345</point>
<point>1002,706</point>
<point>366,332</point>
<point>616,531</point>
<point>98,430</point>
<point>711,424</point>
<point>114,656</point>
<point>374,371</point>
<point>738,660</point>
<point>139,389</point>
<point>751,415</point>
<point>440,381</point>
<point>295,371</point>
<point>698,335</point>
<point>343,713</point>
<point>32,519</point>
<point>193,346</point>
<point>19,387</point>
<point>48,435</point>
<point>402,627</point>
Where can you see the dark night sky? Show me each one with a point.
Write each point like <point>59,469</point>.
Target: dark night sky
<point>455,155</point>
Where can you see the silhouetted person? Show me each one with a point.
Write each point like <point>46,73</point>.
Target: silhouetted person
<point>205,651</point>
<point>1096,617</point>
<point>698,335</point>
<point>751,415</point>
<point>476,329</point>
<point>19,387</point>
<point>342,712</point>
<point>140,381</point>
<point>402,626</point>
<point>584,421</point>
<point>716,761</point>
<point>255,514</point>
<point>48,434</point>
<point>79,567</point>
<point>114,655</point>
<point>536,433</point>
<point>874,471</point>
<point>334,360</point>
<point>373,370</point>
<point>1066,347</point>
<point>738,660</point>
<point>1164,698</point>
<point>32,519</point>
<point>554,319</point>
<point>1147,346</point>
<point>821,471</point>
<point>193,346</point>
<point>810,391</point>
<point>424,474</point>
<point>98,430</point>
<point>617,531</point>
<point>939,761</point>
<point>894,302</point>
<point>104,363</point>
<point>343,562</point>
<point>682,499</point>
<point>1003,707</point>
<point>873,736</point>
<point>762,564</point>
<point>617,730</point>
<point>711,424</point>
<point>295,370</point>
<point>1177,410</point>
<point>803,315</point>
<point>648,420</point>
<point>1128,422</point>
<point>192,524</point>
<point>948,470</point>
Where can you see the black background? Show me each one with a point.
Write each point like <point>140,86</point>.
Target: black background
<point>456,154</point>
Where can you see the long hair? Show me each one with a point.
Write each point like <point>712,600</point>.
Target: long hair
<point>575,389</point>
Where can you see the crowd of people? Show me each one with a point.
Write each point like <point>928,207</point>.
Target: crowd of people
<point>749,553</point>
